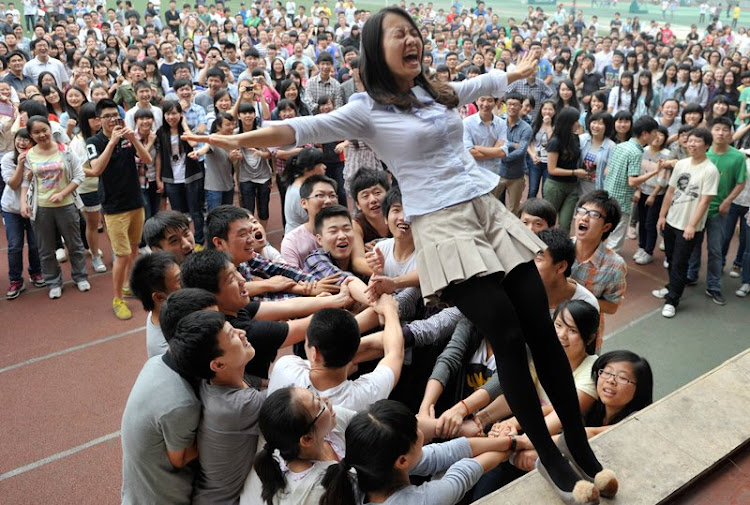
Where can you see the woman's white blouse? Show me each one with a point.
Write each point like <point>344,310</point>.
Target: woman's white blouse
<point>423,148</point>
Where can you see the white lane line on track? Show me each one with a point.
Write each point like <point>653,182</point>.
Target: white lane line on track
<point>71,349</point>
<point>58,456</point>
<point>632,323</point>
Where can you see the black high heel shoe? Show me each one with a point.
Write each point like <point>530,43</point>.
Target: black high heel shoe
<point>605,480</point>
<point>584,492</point>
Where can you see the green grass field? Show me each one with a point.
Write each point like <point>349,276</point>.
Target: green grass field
<point>683,16</point>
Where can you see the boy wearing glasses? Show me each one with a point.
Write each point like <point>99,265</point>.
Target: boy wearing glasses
<point>599,269</point>
<point>317,192</point>
<point>112,153</point>
<point>207,346</point>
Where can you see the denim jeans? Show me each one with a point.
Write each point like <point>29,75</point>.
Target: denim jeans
<point>216,198</point>
<point>714,232</point>
<point>537,177</point>
<point>250,192</point>
<point>648,215</point>
<point>188,199</point>
<point>746,256</point>
<point>678,252</point>
<point>151,199</point>
<point>736,213</point>
<point>16,229</point>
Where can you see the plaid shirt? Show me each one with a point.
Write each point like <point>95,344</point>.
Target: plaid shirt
<point>605,275</point>
<point>538,89</point>
<point>264,268</point>
<point>317,88</point>
<point>195,115</point>
<point>320,264</point>
<point>624,162</point>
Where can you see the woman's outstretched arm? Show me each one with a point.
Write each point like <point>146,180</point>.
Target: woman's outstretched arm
<point>268,136</point>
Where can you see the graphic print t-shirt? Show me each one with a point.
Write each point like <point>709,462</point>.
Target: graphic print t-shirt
<point>690,183</point>
<point>51,177</point>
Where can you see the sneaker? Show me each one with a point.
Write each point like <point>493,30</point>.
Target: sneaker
<point>743,291</point>
<point>716,296</point>
<point>98,265</point>
<point>662,247</point>
<point>644,259</point>
<point>91,253</point>
<point>668,311</point>
<point>632,233</point>
<point>691,282</point>
<point>38,280</point>
<point>55,292</point>
<point>638,253</point>
<point>660,293</point>
<point>83,286</point>
<point>127,292</point>
<point>121,309</point>
<point>61,255</point>
<point>15,289</point>
<point>665,263</point>
<point>735,271</point>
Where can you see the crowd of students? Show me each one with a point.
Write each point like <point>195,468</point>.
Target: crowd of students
<point>622,133</point>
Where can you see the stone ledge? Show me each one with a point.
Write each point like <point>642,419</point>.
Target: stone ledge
<point>666,446</point>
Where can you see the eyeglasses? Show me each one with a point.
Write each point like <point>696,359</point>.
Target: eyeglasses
<point>109,117</point>
<point>620,379</point>
<point>328,196</point>
<point>323,407</point>
<point>593,214</point>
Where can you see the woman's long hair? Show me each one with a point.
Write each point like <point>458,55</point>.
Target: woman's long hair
<point>88,111</point>
<point>586,318</point>
<point>573,102</point>
<point>644,387</point>
<point>283,420</point>
<point>623,115</point>
<point>631,91</point>
<point>46,91</point>
<point>663,79</point>
<point>377,78</point>
<point>298,102</point>
<point>374,441</point>
<point>537,124</point>
<point>565,121</point>
<point>72,114</point>
<point>243,108</point>
<point>164,134</point>
<point>649,89</point>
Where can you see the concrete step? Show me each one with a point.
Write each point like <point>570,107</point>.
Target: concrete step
<point>666,447</point>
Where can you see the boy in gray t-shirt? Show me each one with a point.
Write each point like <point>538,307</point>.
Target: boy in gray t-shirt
<point>207,346</point>
<point>158,436</point>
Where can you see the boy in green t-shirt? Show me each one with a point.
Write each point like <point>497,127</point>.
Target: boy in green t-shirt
<point>732,174</point>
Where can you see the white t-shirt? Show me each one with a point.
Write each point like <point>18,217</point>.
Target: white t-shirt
<point>355,395</point>
<point>393,268</point>
<point>583,294</point>
<point>156,111</point>
<point>691,182</point>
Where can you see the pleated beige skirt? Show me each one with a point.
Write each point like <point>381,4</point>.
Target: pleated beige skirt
<point>474,238</point>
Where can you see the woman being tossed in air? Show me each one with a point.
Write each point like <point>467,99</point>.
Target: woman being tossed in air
<point>471,251</point>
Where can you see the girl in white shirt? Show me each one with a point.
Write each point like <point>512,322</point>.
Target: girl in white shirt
<point>414,126</point>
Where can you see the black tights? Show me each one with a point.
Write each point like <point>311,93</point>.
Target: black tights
<point>511,312</point>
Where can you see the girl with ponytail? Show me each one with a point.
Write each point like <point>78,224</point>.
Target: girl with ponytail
<point>384,447</point>
<point>304,436</point>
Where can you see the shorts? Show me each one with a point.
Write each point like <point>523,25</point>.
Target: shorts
<point>475,238</point>
<point>124,230</point>
<point>90,201</point>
